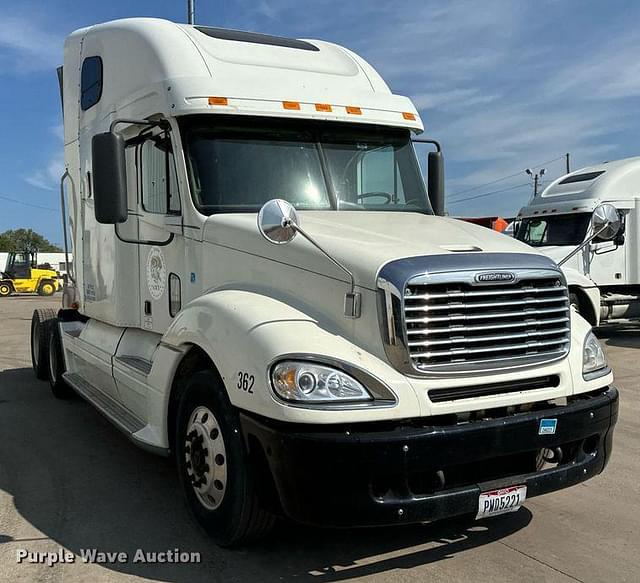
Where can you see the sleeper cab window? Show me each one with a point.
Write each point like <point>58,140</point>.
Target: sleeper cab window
<point>90,82</point>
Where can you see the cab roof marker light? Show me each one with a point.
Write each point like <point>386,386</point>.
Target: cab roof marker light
<point>291,105</point>
<point>323,107</point>
<point>408,115</point>
<point>353,110</point>
<point>218,101</point>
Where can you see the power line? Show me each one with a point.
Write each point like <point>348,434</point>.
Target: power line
<point>505,177</point>
<point>489,193</point>
<point>37,206</point>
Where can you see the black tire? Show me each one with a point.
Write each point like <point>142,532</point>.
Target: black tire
<point>574,301</point>
<point>46,288</point>
<point>5,289</point>
<point>239,516</point>
<point>55,365</point>
<point>40,324</point>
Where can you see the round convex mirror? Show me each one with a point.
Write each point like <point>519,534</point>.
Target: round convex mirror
<point>606,221</point>
<point>276,221</point>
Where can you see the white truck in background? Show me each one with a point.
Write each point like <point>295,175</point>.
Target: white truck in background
<point>602,269</point>
<point>261,288</point>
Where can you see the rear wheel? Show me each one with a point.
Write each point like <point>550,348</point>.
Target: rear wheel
<point>56,368</point>
<point>5,290</point>
<point>47,288</point>
<point>40,324</point>
<point>213,463</point>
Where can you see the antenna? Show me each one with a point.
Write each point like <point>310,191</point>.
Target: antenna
<point>191,11</point>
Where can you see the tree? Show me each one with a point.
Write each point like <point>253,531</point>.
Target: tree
<point>24,239</point>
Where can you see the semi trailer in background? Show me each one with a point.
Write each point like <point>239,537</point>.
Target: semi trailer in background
<point>602,267</point>
<point>261,288</point>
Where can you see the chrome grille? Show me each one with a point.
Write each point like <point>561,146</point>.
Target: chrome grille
<point>462,324</point>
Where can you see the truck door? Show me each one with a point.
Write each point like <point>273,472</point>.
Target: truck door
<point>161,255</point>
<point>607,261</point>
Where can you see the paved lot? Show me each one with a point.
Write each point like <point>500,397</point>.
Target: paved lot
<point>69,480</point>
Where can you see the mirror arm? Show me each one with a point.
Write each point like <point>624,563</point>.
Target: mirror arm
<point>581,246</point>
<point>140,122</point>
<point>352,300</point>
<point>428,141</point>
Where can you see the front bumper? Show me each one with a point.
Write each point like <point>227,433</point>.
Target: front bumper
<point>371,474</point>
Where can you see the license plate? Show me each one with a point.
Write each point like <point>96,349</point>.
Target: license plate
<point>501,501</point>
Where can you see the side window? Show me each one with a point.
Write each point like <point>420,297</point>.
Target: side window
<point>158,181</point>
<point>379,177</point>
<point>90,82</point>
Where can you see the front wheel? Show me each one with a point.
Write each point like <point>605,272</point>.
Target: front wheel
<point>56,368</point>
<point>213,463</point>
<point>40,325</point>
<point>5,290</point>
<point>46,288</point>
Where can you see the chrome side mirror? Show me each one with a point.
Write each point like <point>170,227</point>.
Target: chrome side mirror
<point>277,220</point>
<point>605,225</point>
<point>278,223</point>
<point>606,222</point>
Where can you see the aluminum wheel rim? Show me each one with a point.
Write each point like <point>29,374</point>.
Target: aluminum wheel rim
<point>206,458</point>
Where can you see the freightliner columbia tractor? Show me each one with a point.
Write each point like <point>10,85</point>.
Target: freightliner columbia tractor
<point>263,289</point>
<point>601,268</point>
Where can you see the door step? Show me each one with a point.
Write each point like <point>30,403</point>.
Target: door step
<point>112,410</point>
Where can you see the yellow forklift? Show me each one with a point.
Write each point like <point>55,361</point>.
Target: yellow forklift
<point>22,274</point>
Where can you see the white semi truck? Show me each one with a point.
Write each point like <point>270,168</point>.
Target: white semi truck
<point>262,289</point>
<point>601,268</point>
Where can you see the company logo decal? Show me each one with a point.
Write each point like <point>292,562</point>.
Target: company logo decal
<point>547,426</point>
<point>156,272</point>
<point>496,277</point>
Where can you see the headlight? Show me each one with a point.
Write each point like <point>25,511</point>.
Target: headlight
<point>593,358</point>
<point>315,383</point>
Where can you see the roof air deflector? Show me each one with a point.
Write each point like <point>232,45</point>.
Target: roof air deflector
<point>256,38</point>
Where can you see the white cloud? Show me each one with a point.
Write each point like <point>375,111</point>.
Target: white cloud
<point>26,46</point>
<point>603,71</point>
<point>48,177</point>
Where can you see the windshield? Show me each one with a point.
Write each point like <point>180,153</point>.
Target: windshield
<point>237,165</point>
<point>557,230</point>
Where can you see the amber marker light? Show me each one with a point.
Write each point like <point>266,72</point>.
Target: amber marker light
<point>291,105</point>
<point>218,101</point>
<point>323,107</point>
<point>354,110</point>
<point>408,115</point>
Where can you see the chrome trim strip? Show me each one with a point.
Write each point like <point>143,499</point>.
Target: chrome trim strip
<point>596,374</point>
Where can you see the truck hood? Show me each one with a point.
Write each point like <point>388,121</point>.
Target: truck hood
<point>363,241</point>
<point>557,252</point>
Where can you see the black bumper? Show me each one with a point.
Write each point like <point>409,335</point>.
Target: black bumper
<point>368,474</point>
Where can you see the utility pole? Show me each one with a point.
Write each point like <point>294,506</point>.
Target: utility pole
<point>536,177</point>
<point>191,12</point>
<point>567,160</point>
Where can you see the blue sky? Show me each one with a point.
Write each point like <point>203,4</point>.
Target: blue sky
<point>502,84</point>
